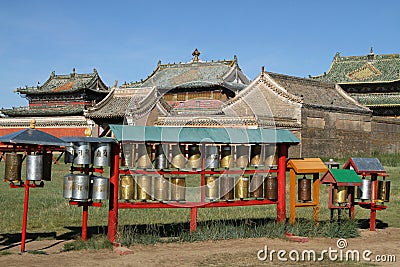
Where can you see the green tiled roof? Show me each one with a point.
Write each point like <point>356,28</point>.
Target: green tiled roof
<point>345,176</point>
<point>363,69</point>
<point>44,110</point>
<point>378,99</point>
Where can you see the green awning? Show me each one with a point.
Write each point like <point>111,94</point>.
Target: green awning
<point>342,177</point>
<point>202,135</point>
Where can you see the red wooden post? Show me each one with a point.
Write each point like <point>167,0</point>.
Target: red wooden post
<point>281,205</point>
<point>85,212</point>
<point>113,198</point>
<point>193,219</point>
<point>25,217</point>
<point>374,196</point>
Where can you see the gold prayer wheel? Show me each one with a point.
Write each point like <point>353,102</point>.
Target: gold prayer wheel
<point>242,156</point>
<point>384,191</point>
<point>127,187</point>
<point>271,188</point>
<point>211,189</point>
<point>178,156</point>
<point>256,186</point>
<point>194,154</point>
<point>242,187</point>
<point>178,188</point>
<point>340,194</point>
<point>13,167</point>
<point>161,188</point>
<point>144,156</point>
<point>304,189</point>
<point>255,155</point>
<point>271,157</point>
<point>226,157</point>
<point>144,183</point>
<point>227,185</point>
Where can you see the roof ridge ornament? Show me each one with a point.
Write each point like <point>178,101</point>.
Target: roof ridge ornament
<point>196,53</point>
<point>371,54</point>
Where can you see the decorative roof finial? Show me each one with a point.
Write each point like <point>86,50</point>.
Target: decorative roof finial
<point>196,55</point>
<point>32,124</point>
<point>371,51</point>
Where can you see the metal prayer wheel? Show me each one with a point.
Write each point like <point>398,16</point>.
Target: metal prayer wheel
<point>100,188</point>
<point>161,161</point>
<point>271,188</point>
<point>13,167</point>
<point>82,153</point>
<point>69,153</point>
<point>144,156</point>
<point>67,186</point>
<point>194,155</point>
<point>144,184</point>
<point>80,187</point>
<point>211,189</point>
<point>102,154</point>
<point>127,187</point>
<point>364,191</point>
<point>178,188</point>
<point>226,156</point>
<point>178,156</point>
<point>340,194</point>
<point>212,157</point>
<point>34,167</point>
<point>47,164</point>
<point>384,190</point>
<point>161,188</point>
<point>255,155</point>
<point>304,189</point>
<point>242,156</point>
<point>256,186</point>
<point>271,158</point>
<point>242,187</point>
<point>227,185</point>
<point>128,151</point>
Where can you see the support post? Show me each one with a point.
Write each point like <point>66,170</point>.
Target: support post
<point>374,196</point>
<point>25,217</point>
<point>281,205</point>
<point>113,198</point>
<point>85,212</point>
<point>193,219</point>
<point>292,197</point>
<point>316,197</point>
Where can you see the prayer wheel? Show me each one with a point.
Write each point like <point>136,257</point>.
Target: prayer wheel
<point>69,153</point>
<point>227,185</point>
<point>194,155</point>
<point>178,188</point>
<point>162,151</point>
<point>80,187</point>
<point>242,187</point>
<point>13,167</point>
<point>271,158</point>
<point>144,156</point>
<point>82,153</point>
<point>226,157</point>
<point>102,154</point>
<point>129,155</point>
<point>340,194</point>
<point>211,189</point>
<point>47,164</point>
<point>34,167</point>
<point>271,187</point>
<point>255,155</point>
<point>100,188</point>
<point>364,191</point>
<point>256,186</point>
<point>304,189</point>
<point>127,187</point>
<point>384,191</point>
<point>144,184</point>
<point>242,156</point>
<point>212,157</point>
<point>178,156</point>
<point>161,188</point>
<point>67,186</point>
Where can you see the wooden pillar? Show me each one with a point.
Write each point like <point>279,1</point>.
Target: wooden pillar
<point>113,197</point>
<point>374,196</point>
<point>281,205</point>
<point>292,197</point>
<point>316,196</point>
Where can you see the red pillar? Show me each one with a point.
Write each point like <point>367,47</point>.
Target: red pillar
<point>281,206</point>
<point>85,213</point>
<point>193,219</point>
<point>25,217</point>
<point>113,198</point>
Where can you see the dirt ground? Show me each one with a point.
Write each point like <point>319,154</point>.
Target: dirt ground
<point>238,252</point>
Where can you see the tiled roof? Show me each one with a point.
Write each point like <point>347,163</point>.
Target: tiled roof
<point>68,83</point>
<point>378,99</point>
<point>363,69</point>
<point>44,110</point>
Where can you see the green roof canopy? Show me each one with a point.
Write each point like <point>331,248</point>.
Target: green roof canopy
<point>202,135</point>
<point>341,177</point>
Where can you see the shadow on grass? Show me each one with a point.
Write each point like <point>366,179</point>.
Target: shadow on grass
<point>364,224</point>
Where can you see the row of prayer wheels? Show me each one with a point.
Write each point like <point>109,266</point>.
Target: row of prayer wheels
<point>84,153</point>
<point>38,167</point>
<point>178,156</point>
<point>82,187</point>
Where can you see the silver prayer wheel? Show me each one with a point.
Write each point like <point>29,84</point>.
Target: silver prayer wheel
<point>69,153</point>
<point>47,164</point>
<point>194,161</point>
<point>256,158</point>
<point>129,155</point>
<point>67,186</point>
<point>34,167</point>
<point>80,187</point>
<point>226,156</point>
<point>227,185</point>
<point>100,188</point>
<point>127,186</point>
<point>340,194</point>
<point>102,154</point>
<point>83,153</point>
<point>212,157</point>
<point>364,191</point>
<point>384,190</point>
<point>256,186</point>
<point>161,188</point>
<point>144,184</point>
<point>162,151</point>
<point>211,189</point>
<point>304,189</point>
<point>178,188</point>
<point>144,156</point>
<point>242,187</point>
<point>271,187</point>
<point>242,156</point>
<point>13,167</point>
<point>178,156</point>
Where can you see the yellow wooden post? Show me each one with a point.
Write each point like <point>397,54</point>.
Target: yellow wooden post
<point>316,196</point>
<point>292,216</point>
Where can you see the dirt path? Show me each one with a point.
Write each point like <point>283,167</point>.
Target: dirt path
<point>240,252</point>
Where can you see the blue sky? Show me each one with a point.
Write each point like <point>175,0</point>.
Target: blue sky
<point>124,40</point>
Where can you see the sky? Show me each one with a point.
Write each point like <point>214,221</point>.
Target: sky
<point>124,40</point>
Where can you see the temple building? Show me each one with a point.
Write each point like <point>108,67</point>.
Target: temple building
<point>373,80</point>
<point>57,105</point>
